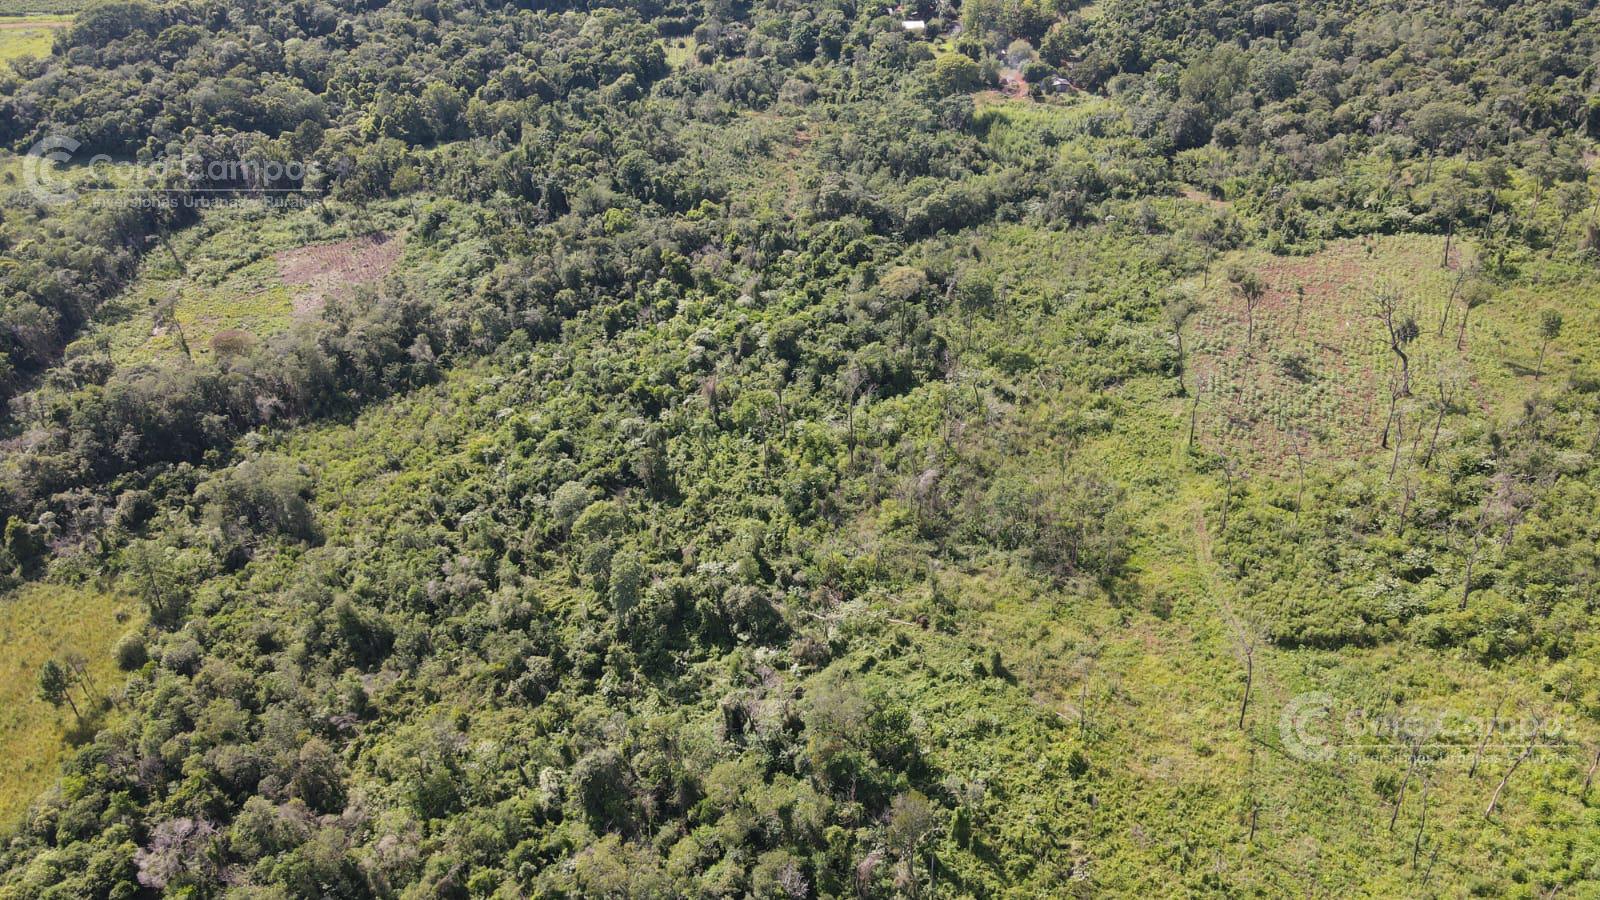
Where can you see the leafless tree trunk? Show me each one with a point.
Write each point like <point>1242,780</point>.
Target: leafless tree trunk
<point>1249,679</point>
<point>1461,335</point>
<point>1401,333</point>
<point>1588,777</point>
<point>854,380</point>
<point>1527,751</point>
<point>1494,722</point>
<point>1227,495</point>
<point>1406,497</point>
<point>1438,423</point>
<point>1400,796</point>
<point>1300,487</point>
<point>1399,441</point>
<point>1422,824</point>
<point>1388,421</point>
<point>161,236</point>
<point>1472,558</point>
<point>1194,409</point>
<point>1450,301</point>
<point>78,665</point>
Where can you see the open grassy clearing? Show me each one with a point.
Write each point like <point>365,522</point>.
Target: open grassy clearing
<point>30,35</point>
<point>680,51</point>
<point>40,622</point>
<point>1191,678</point>
<point>245,275</point>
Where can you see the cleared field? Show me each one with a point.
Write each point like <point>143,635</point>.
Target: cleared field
<point>28,35</point>
<point>236,280</point>
<point>680,51</point>
<point>1314,372</point>
<point>40,622</point>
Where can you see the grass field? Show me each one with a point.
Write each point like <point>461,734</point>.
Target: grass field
<point>37,623</point>
<point>30,35</point>
<point>680,51</point>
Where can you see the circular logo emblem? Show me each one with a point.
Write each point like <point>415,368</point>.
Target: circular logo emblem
<point>39,169</point>
<point>1306,727</point>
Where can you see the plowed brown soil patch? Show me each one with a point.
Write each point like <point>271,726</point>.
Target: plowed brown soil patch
<point>320,271</point>
<point>1317,378</point>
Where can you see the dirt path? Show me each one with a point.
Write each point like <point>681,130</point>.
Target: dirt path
<point>34,23</point>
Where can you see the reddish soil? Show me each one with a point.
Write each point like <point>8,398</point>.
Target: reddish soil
<point>1198,196</point>
<point>1256,407</point>
<point>319,271</point>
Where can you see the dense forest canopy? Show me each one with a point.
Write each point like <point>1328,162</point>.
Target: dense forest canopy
<point>786,452</point>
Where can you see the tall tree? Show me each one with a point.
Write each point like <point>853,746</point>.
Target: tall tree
<point>1549,329</point>
<point>1177,311</point>
<point>1251,290</point>
<point>55,686</point>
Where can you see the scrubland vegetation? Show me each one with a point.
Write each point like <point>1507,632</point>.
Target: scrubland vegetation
<point>704,450</point>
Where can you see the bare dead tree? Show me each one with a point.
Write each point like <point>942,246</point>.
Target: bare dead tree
<point>1401,331</point>
<point>1194,409</point>
<point>1422,824</point>
<point>1444,406</point>
<point>1488,733</point>
<point>1477,548</point>
<point>1407,494</point>
<point>1249,651</point>
<point>1450,300</point>
<point>855,385</point>
<point>1227,494</point>
<point>1399,442</point>
<point>1298,442</point>
<point>1527,750</point>
<point>1433,857</point>
<point>78,665</point>
<point>1411,768</point>
<point>1588,777</point>
<point>711,390</point>
<point>166,316</point>
<point>161,237</point>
